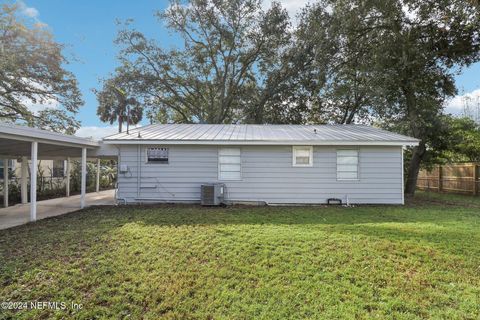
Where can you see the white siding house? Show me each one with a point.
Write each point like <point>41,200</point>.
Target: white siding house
<point>273,164</point>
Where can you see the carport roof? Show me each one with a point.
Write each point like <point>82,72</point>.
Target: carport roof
<point>16,141</point>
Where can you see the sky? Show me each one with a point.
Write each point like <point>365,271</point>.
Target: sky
<point>88,28</point>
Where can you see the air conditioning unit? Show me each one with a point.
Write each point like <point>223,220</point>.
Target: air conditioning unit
<point>212,194</point>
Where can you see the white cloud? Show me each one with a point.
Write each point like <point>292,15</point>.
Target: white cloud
<point>30,12</point>
<point>464,104</point>
<point>97,133</point>
<point>36,107</point>
<point>292,6</point>
<point>39,104</point>
<point>410,12</point>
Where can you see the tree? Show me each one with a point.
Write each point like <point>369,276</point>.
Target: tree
<point>230,47</point>
<point>392,60</point>
<point>421,45</point>
<point>336,83</point>
<point>32,72</point>
<point>461,143</point>
<point>114,104</point>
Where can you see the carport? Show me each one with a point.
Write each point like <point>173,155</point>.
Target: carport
<point>20,142</point>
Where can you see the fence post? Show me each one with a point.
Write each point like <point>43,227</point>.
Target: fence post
<point>440,178</point>
<point>475,178</point>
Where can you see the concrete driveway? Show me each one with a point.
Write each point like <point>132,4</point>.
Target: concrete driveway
<point>20,213</point>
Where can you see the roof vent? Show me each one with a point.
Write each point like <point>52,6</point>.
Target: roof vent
<point>139,135</point>
<point>315,131</point>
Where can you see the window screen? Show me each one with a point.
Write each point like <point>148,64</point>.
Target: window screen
<point>302,156</point>
<point>58,168</point>
<point>10,167</point>
<point>347,164</point>
<point>229,164</point>
<point>157,155</point>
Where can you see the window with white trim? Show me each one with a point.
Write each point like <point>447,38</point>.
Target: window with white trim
<point>58,168</point>
<point>157,155</point>
<point>302,156</point>
<point>347,164</point>
<point>229,164</point>
<point>10,167</point>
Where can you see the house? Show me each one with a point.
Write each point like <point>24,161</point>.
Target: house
<point>30,145</point>
<point>273,164</point>
<point>49,169</point>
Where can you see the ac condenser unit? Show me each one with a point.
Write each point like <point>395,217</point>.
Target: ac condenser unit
<point>212,194</point>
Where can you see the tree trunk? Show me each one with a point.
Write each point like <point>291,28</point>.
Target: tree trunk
<point>414,168</point>
<point>418,151</point>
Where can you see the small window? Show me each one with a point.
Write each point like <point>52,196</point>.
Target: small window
<point>302,156</point>
<point>58,168</point>
<point>347,164</point>
<point>157,155</point>
<point>10,167</point>
<point>229,164</point>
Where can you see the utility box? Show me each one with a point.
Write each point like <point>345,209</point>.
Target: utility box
<point>212,194</point>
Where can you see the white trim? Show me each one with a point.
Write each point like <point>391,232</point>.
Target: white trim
<point>83,182</point>
<point>23,133</point>
<point>310,161</point>
<point>218,165</point>
<point>33,181</point>
<point>24,182</point>
<point>153,162</point>
<point>358,165</point>
<point>5,182</point>
<point>67,174</point>
<point>264,142</point>
<point>403,181</point>
<point>97,178</point>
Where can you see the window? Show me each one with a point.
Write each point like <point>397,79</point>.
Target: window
<point>302,156</point>
<point>347,164</point>
<point>229,164</point>
<point>157,155</point>
<point>10,167</point>
<point>58,168</point>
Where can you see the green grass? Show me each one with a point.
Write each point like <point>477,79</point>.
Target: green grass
<point>188,262</point>
<point>447,198</point>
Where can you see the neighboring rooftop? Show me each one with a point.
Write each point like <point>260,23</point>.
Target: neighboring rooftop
<point>260,134</point>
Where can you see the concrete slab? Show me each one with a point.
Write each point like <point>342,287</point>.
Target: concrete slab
<point>20,213</point>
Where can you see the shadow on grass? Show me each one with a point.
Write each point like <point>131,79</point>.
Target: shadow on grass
<point>102,219</point>
<point>79,228</point>
<point>75,245</point>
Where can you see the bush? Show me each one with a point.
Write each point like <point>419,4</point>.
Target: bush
<point>49,187</point>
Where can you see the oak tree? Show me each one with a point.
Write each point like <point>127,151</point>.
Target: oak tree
<point>32,73</point>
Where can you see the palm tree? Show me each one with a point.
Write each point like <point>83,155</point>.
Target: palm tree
<point>115,105</point>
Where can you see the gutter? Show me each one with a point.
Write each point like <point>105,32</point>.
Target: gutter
<point>414,142</point>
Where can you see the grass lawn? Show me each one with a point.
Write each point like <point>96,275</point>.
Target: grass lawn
<point>417,261</point>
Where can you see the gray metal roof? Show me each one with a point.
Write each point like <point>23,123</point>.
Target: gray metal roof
<point>260,134</point>
<point>15,141</point>
<point>24,133</point>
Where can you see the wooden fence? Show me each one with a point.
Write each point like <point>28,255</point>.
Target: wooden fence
<point>453,178</point>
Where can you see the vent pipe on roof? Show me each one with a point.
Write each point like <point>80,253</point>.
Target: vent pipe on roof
<point>315,131</point>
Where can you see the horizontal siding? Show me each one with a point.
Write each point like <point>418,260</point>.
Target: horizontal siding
<point>267,175</point>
